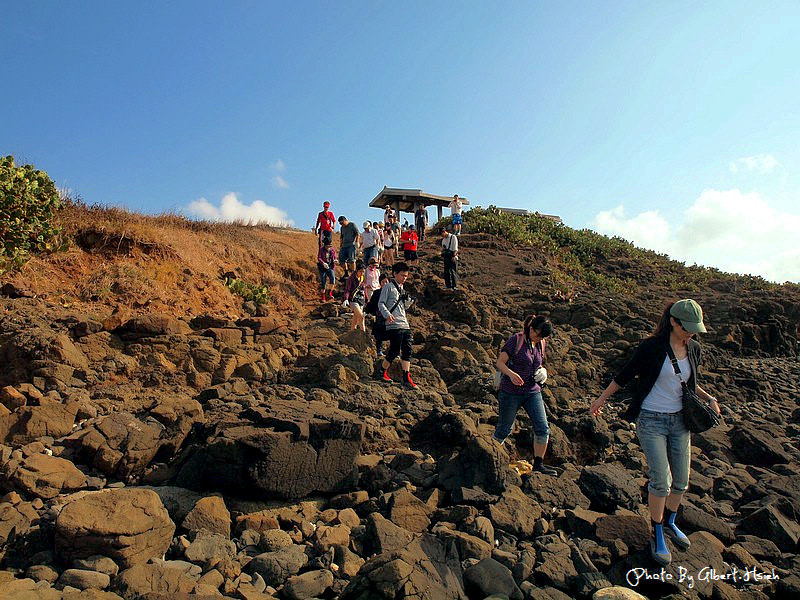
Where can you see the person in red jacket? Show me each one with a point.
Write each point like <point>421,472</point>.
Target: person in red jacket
<point>409,241</point>
<point>325,225</point>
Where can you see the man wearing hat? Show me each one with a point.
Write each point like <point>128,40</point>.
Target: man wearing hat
<point>370,240</point>
<point>325,224</point>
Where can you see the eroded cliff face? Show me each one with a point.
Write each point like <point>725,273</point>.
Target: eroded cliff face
<point>305,476</point>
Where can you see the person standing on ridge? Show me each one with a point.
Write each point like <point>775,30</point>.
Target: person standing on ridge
<point>421,221</point>
<point>657,409</point>
<point>450,258</point>
<point>392,306</point>
<point>350,236</point>
<point>325,224</point>
<point>455,214</point>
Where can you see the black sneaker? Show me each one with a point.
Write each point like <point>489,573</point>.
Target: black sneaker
<point>545,470</point>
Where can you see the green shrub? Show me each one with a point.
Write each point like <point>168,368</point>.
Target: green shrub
<point>28,203</point>
<point>583,254</point>
<point>249,291</point>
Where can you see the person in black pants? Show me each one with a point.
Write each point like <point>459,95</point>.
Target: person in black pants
<point>450,258</point>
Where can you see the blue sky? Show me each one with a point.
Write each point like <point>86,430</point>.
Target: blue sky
<point>674,124</point>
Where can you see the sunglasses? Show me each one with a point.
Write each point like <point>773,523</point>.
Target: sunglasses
<point>678,321</point>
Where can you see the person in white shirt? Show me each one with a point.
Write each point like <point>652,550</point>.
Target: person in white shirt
<point>455,214</point>
<point>369,241</point>
<point>450,258</point>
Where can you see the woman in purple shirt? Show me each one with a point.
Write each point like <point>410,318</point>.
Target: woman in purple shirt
<point>519,386</point>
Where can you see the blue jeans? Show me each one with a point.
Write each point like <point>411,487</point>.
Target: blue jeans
<point>370,252</point>
<point>667,445</point>
<point>533,404</point>
<point>325,275</point>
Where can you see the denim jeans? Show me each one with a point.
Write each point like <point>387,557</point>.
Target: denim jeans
<point>325,275</point>
<point>667,445</point>
<point>371,252</point>
<point>533,404</point>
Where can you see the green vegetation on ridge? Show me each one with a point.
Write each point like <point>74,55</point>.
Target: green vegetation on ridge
<point>587,257</point>
<point>28,203</point>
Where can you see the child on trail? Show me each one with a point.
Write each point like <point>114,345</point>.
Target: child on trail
<point>354,297</point>
<point>326,260</point>
<point>392,306</point>
<point>379,325</point>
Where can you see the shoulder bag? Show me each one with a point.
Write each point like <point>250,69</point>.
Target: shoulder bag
<point>698,416</point>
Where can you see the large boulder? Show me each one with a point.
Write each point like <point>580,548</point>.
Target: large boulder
<point>427,569</point>
<point>609,486</point>
<point>465,458</point>
<point>759,445</point>
<point>119,444</point>
<point>44,476</point>
<point>515,512</point>
<point>209,514</point>
<point>277,566</point>
<point>156,579</point>
<point>152,326</point>
<point>129,525</point>
<point>286,450</point>
<point>29,423</point>
<point>16,519</point>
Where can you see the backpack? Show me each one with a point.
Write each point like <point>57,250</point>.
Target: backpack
<point>372,306</point>
<point>498,375</point>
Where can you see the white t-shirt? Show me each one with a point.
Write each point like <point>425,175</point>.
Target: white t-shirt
<point>455,207</point>
<point>665,397</point>
<point>370,237</point>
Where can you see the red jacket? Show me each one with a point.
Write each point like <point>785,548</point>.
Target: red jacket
<point>409,240</point>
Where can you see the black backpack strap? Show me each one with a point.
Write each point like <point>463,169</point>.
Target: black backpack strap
<point>675,365</point>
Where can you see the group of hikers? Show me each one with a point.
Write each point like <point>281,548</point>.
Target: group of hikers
<point>664,365</point>
<point>367,290</point>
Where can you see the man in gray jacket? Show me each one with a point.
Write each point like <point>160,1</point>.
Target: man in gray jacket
<point>392,307</point>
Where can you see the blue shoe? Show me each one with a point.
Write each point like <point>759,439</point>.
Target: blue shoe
<point>676,535</point>
<point>658,546</point>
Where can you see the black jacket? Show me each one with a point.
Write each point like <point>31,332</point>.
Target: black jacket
<point>646,363</point>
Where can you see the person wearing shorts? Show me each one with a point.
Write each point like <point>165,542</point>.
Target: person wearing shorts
<point>392,307</point>
<point>354,297</point>
<point>455,214</point>
<point>347,249</point>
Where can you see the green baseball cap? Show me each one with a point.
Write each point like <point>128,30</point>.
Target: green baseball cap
<point>689,313</point>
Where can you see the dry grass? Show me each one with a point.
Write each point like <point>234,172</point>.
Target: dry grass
<point>169,264</point>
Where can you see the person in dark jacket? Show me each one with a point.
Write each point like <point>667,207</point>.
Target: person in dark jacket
<point>656,407</point>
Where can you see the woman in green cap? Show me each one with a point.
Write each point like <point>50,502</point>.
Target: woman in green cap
<point>656,407</point>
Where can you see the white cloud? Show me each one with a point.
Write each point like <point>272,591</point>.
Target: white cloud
<point>231,209</point>
<point>726,229</point>
<point>280,183</point>
<point>761,164</point>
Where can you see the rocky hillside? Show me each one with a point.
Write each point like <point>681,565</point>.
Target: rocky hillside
<point>168,433</point>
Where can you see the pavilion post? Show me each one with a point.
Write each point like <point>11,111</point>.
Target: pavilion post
<point>439,212</point>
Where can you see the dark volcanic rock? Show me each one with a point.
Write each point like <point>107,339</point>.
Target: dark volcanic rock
<point>770,523</point>
<point>609,486</point>
<point>758,446</point>
<point>119,444</point>
<point>466,459</point>
<point>287,450</point>
<point>426,569</point>
<point>491,577</point>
